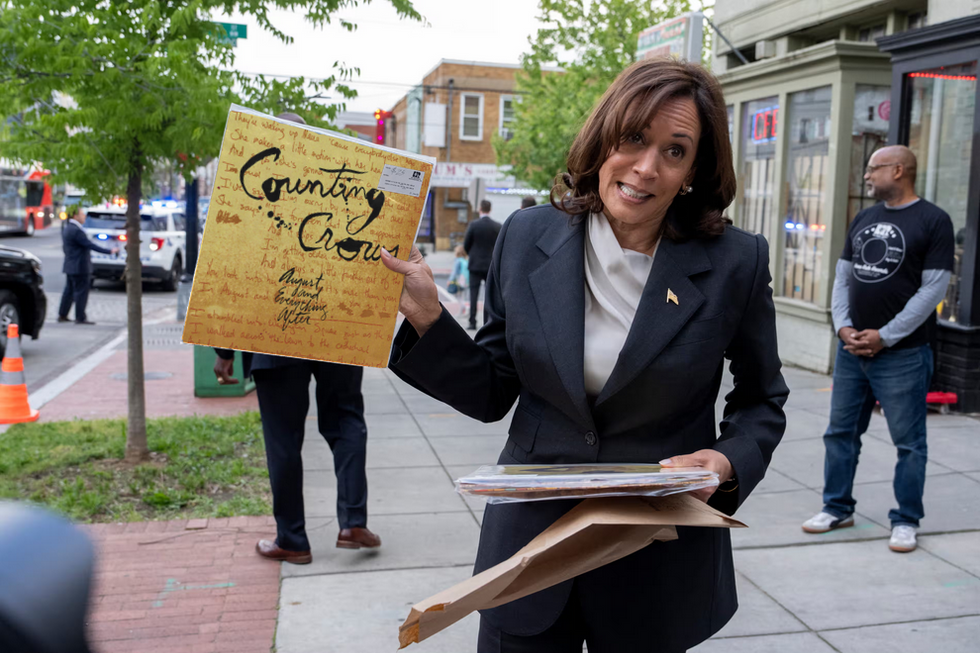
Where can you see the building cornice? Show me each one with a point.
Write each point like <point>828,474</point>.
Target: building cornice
<point>804,57</point>
<point>960,31</point>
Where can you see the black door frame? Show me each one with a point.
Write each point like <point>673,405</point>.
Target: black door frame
<point>907,62</point>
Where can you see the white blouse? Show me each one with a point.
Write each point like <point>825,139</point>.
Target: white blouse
<point>614,281</point>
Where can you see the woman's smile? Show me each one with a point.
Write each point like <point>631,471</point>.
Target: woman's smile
<point>633,194</point>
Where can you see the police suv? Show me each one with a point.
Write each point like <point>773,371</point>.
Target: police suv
<point>162,242</point>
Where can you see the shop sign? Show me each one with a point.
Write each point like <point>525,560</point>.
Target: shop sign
<point>764,124</point>
<point>679,37</point>
<point>461,175</point>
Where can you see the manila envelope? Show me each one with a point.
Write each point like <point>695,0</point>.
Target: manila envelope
<point>590,535</point>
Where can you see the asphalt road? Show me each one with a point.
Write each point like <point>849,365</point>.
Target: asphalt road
<point>61,345</point>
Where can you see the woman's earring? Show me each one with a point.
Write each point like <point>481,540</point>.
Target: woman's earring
<point>686,189</point>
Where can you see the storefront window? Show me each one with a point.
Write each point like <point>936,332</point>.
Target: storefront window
<point>425,226</point>
<point>807,170</point>
<point>760,121</point>
<point>940,134</point>
<point>869,132</point>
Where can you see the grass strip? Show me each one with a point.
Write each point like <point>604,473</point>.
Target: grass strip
<point>199,467</point>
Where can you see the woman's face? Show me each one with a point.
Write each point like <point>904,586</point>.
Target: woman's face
<point>640,179</point>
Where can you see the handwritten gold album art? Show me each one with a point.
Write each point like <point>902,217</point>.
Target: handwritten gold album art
<point>290,261</point>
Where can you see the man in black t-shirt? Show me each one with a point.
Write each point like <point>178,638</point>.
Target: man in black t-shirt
<point>893,272</point>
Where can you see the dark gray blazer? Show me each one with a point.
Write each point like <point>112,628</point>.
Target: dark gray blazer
<point>78,250</point>
<point>659,401</point>
<point>252,361</point>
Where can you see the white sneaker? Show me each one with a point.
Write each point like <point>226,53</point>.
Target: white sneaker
<point>824,521</point>
<point>903,539</point>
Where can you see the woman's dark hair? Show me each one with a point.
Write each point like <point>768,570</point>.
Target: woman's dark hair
<point>627,107</point>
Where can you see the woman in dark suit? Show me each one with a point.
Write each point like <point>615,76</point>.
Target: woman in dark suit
<point>609,315</point>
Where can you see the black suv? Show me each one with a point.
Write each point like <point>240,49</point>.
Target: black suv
<point>22,299</point>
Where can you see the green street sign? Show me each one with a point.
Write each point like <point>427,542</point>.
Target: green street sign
<point>231,32</point>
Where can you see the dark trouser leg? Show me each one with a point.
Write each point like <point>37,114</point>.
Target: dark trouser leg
<point>900,379</point>
<point>67,296</point>
<point>340,416</point>
<point>284,400</point>
<point>80,284</point>
<point>850,410</point>
<point>476,278</point>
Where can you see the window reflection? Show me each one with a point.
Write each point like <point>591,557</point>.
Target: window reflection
<point>869,133</point>
<point>940,122</point>
<point>760,122</point>
<point>806,175</point>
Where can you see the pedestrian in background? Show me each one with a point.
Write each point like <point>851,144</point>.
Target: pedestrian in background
<point>459,278</point>
<point>480,238</point>
<point>894,270</point>
<point>77,266</point>
<point>283,388</point>
<point>527,202</point>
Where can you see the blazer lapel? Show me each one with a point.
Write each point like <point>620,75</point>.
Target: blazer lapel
<point>669,300</point>
<point>558,287</point>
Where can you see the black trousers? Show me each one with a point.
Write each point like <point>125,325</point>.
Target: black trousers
<point>284,400</point>
<point>476,279</point>
<point>76,290</point>
<point>573,628</point>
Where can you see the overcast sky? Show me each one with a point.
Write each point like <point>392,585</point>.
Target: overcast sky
<point>393,54</point>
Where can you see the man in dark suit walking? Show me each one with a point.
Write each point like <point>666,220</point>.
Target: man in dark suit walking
<point>480,238</point>
<point>283,387</point>
<point>77,267</point>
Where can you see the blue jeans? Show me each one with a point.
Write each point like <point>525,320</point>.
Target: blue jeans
<point>899,379</point>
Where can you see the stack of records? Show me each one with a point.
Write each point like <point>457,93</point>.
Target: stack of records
<point>509,483</point>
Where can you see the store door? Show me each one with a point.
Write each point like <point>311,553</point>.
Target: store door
<point>941,105</point>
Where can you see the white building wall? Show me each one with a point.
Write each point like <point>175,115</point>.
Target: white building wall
<point>942,10</point>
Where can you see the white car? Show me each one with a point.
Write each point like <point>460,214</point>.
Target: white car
<point>162,242</point>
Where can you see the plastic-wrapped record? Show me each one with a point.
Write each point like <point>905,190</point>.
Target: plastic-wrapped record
<point>504,483</point>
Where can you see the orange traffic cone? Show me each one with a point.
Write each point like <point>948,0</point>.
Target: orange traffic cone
<point>13,388</point>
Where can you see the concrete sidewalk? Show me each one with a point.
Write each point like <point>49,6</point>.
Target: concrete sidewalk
<point>843,591</point>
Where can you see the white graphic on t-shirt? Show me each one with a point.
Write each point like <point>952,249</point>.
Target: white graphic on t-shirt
<point>879,250</point>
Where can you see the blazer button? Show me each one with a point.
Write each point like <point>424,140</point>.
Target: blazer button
<point>590,439</point>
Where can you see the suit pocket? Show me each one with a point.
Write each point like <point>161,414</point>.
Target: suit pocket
<point>700,331</point>
<point>523,432</point>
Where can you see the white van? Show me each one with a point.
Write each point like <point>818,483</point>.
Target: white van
<point>162,242</point>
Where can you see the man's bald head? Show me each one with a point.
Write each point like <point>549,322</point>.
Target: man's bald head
<point>901,155</point>
<point>891,173</point>
<point>291,117</point>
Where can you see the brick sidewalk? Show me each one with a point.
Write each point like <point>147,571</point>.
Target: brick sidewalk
<point>183,587</point>
<point>99,395</point>
<point>175,586</point>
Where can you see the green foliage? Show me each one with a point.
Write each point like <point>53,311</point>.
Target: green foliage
<point>103,90</point>
<point>199,467</point>
<point>593,41</point>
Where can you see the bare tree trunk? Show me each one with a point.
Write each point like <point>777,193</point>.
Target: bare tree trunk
<point>136,446</point>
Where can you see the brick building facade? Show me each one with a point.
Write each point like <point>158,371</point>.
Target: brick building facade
<point>454,115</point>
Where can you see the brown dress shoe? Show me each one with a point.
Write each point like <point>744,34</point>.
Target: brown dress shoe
<point>269,549</point>
<point>355,538</point>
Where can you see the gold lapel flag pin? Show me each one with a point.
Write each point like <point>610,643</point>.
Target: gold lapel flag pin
<point>671,297</point>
